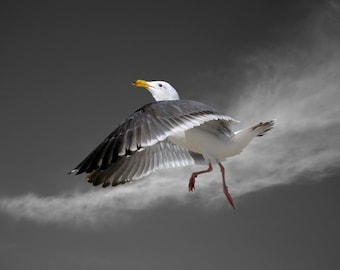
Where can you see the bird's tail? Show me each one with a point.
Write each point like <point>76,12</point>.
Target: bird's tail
<point>257,130</point>
<point>262,128</point>
<point>244,136</point>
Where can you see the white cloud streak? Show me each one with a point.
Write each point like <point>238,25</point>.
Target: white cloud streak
<point>299,85</point>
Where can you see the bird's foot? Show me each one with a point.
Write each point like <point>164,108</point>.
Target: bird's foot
<point>227,194</point>
<point>192,182</point>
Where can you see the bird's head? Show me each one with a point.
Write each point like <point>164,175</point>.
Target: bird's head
<point>160,90</point>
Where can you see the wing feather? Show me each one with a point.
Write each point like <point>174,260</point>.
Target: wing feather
<point>144,128</point>
<point>158,156</point>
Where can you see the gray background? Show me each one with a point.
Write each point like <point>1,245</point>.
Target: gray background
<point>66,73</point>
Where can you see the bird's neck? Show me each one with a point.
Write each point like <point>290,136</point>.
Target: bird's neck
<point>165,96</point>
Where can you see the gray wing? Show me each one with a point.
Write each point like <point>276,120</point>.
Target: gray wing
<point>148,126</point>
<point>158,156</point>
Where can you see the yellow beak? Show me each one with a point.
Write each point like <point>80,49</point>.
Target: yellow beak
<point>141,83</point>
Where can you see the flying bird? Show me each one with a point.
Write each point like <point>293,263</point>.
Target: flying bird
<point>168,133</point>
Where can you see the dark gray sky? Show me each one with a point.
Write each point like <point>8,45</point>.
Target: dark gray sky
<point>66,73</point>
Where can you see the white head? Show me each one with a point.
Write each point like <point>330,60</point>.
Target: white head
<point>160,90</point>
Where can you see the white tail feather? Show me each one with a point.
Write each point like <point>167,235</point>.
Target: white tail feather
<point>244,136</point>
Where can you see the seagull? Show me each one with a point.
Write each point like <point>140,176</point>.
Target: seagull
<point>167,133</point>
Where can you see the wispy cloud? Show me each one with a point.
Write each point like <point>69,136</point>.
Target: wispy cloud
<point>297,84</point>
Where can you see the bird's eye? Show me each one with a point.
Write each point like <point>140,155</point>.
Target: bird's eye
<point>160,85</point>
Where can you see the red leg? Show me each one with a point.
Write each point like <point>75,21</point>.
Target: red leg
<point>225,188</point>
<point>194,175</point>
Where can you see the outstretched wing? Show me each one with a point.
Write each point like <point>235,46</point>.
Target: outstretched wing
<point>161,155</point>
<point>146,127</point>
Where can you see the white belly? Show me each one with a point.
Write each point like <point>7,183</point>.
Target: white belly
<point>212,147</point>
